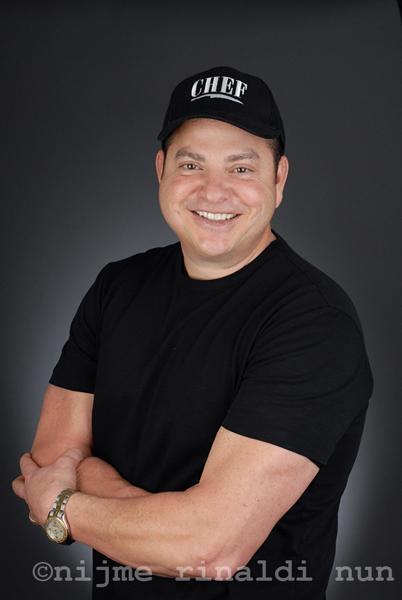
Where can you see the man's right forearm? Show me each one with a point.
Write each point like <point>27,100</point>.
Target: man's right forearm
<point>98,478</point>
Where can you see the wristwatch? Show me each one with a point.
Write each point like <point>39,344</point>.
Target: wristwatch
<point>56,526</point>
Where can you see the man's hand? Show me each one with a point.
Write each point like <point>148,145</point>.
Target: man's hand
<point>95,477</point>
<point>39,486</point>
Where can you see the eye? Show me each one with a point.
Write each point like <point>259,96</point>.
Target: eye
<point>243,170</point>
<point>189,166</point>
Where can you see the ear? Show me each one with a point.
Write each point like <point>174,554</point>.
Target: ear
<point>281,176</point>
<point>159,162</point>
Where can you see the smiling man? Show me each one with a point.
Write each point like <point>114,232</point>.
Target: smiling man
<point>219,202</point>
<point>207,408</point>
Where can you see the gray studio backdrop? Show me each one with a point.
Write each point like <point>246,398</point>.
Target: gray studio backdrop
<point>84,90</point>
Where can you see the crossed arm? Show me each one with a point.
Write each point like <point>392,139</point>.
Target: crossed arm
<point>245,488</point>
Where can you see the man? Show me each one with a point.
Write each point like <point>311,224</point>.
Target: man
<point>206,411</point>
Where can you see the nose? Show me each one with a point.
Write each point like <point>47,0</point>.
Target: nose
<point>215,188</point>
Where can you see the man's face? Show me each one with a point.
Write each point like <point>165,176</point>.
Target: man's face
<point>217,168</point>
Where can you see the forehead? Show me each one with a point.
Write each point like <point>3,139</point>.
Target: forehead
<point>216,134</point>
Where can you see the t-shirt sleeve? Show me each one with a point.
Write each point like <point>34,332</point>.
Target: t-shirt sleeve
<point>76,367</point>
<point>306,379</point>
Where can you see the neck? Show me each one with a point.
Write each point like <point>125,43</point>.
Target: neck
<point>214,268</point>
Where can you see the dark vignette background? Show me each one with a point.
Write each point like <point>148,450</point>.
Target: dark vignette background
<point>84,87</point>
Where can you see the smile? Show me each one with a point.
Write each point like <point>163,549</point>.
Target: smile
<point>215,217</point>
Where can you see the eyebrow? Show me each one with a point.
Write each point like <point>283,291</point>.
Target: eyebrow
<point>247,154</point>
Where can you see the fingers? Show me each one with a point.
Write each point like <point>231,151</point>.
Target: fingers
<point>74,455</point>
<point>18,485</point>
<point>30,517</point>
<point>27,464</point>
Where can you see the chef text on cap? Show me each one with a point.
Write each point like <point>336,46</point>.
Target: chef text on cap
<point>219,86</point>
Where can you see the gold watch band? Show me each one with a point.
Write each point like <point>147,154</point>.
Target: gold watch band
<point>59,504</point>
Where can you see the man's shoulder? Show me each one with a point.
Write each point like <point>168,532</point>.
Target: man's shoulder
<point>131,271</point>
<point>313,286</point>
<point>140,261</point>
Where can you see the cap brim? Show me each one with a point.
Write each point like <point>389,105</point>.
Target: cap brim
<point>166,131</point>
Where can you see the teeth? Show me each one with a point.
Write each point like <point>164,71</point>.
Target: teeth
<point>215,216</point>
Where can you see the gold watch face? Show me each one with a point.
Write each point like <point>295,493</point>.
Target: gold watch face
<point>56,530</point>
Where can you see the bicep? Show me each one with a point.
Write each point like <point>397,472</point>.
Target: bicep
<point>246,486</point>
<point>65,421</point>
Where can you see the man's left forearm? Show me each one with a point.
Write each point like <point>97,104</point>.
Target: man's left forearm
<point>163,532</point>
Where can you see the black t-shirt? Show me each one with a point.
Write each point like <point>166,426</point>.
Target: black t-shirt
<point>274,351</point>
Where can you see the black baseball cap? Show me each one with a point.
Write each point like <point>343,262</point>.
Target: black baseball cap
<point>229,95</point>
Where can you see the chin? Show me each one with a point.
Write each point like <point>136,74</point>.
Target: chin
<point>212,248</point>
